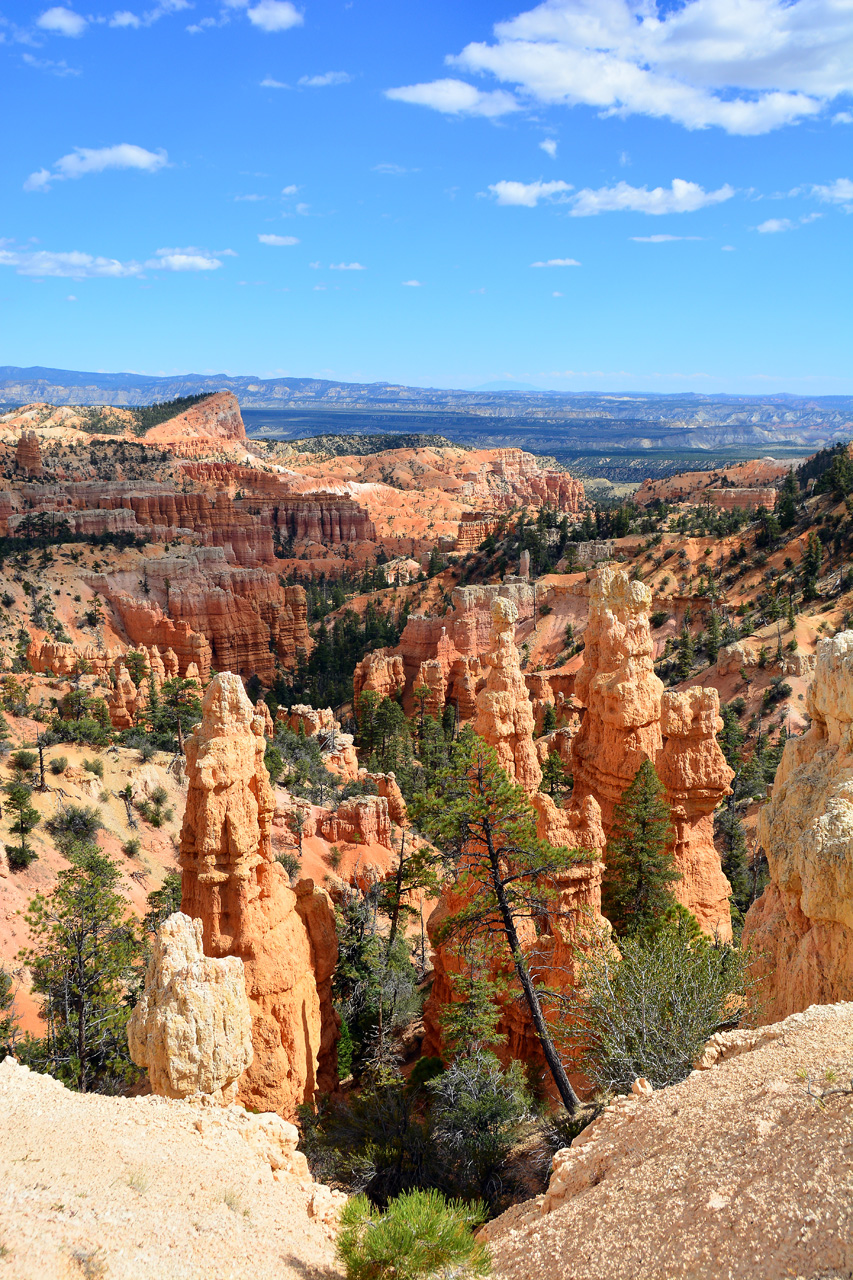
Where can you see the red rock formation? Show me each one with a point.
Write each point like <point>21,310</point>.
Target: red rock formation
<point>238,613</point>
<point>28,454</point>
<point>381,672</point>
<point>217,419</point>
<point>474,528</point>
<point>627,716</point>
<point>364,819</point>
<point>801,928</point>
<point>504,714</point>
<point>694,771</point>
<point>285,938</point>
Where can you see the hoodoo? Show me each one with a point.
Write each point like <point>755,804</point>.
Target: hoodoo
<point>232,884</point>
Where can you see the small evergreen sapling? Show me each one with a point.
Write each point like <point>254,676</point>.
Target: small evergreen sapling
<point>639,866</point>
<point>419,1235</point>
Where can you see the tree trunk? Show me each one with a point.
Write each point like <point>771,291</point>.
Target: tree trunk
<point>569,1098</point>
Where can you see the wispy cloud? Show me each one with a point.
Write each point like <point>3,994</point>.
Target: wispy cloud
<point>62,22</point>
<point>838,192</point>
<point>189,259</point>
<point>125,18</point>
<point>346,266</point>
<point>278,240</point>
<point>269,83</point>
<point>529,193</point>
<point>557,262</point>
<point>549,146</point>
<point>395,169</point>
<point>45,64</point>
<point>73,265</point>
<point>662,239</point>
<point>455,98</point>
<point>774,225</point>
<point>323,81</point>
<point>680,197</point>
<point>249,199</point>
<point>412,284</point>
<point>85,160</point>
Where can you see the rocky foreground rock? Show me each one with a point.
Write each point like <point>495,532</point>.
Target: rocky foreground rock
<point>740,1172</point>
<point>152,1189</point>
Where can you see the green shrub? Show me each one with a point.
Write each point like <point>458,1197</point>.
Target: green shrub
<point>58,765</point>
<point>650,1012</point>
<point>130,848</point>
<point>290,862</point>
<point>74,822</point>
<point>658,618</point>
<point>95,767</point>
<point>419,1235</point>
<point>23,761</point>
<point>154,809</point>
<point>20,856</point>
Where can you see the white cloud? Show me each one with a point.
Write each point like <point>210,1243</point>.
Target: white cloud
<point>278,240</point>
<point>681,197</point>
<point>843,117</point>
<point>774,225</point>
<point>549,146</point>
<point>71,298</point>
<point>269,83</point>
<point>128,20</point>
<point>83,160</point>
<point>662,239</point>
<point>249,199</point>
<point>747,66</point>
<point>275,15</point>
<point>455,97</point>
<point>728,248</point>
<point>289,191</point>
<point>557,262</point>
<point>556,294</point>
<point>189,259</point>
<point>838,192</point>
<point>62,21</point>
<point>329,77</point>
<point>346,266</point>
<point>412,284</point>
<point>389,168</point>
<point>73,265</point>
<point>529,193</point>
<point>45,64</point>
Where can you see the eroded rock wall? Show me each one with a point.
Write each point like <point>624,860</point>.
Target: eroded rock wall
<point>802,926</point>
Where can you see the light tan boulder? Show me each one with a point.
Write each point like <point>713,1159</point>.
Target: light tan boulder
<point>192,1028</point>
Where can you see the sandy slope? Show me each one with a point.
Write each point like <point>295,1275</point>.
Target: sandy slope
<point>735,1174</point>
<point>142,1189</point>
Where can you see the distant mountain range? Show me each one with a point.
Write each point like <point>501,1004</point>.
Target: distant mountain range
<point>561,423</point>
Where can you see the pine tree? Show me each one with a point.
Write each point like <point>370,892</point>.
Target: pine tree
<point>735,858</point>
<point>26,818</point>
<point>8,1017</point>
<point>686,654</point>
<point>639,865</point>
<point>549,719</point>
<point>484,829</point>
<point>83,958</point>
<point>786,502</point>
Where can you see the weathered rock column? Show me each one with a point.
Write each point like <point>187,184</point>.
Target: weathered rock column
<point>285,937</point>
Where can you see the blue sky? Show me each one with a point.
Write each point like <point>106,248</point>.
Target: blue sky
<point>585,194</point>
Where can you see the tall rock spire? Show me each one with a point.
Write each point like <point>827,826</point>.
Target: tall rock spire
<point>285,937</point>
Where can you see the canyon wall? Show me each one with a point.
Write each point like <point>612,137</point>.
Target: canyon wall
<point>231,883</point>
<point>802,926</point>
